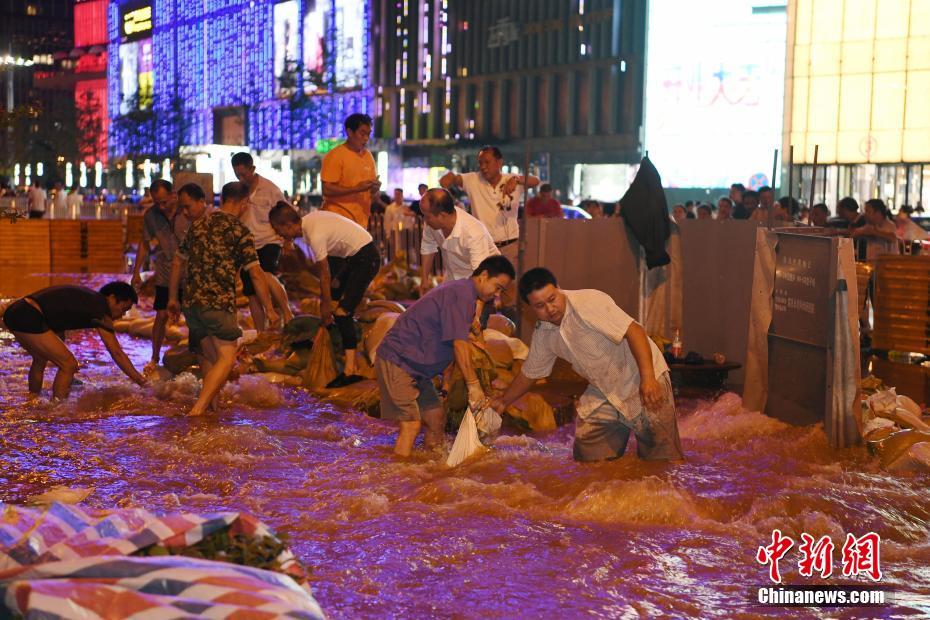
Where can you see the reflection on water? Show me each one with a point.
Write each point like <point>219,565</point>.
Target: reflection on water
<point>523,531</point>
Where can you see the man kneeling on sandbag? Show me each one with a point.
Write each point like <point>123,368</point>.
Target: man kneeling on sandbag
<point>629,389</point>
<point>346,261</point>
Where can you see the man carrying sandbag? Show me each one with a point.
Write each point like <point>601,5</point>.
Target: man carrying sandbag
<point>346,261</point>
<point>629,389</point>
<point>423,342</point>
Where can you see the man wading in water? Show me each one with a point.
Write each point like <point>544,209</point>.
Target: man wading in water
<point>38,322</point>
<point>423,342</point>
<point>216,247</point>
<point>629,389</point>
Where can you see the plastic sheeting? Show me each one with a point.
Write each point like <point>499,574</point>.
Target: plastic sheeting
<point>467,443</point>
<point>67,562</point>
<point>843,423</point>
<point>755,388</point>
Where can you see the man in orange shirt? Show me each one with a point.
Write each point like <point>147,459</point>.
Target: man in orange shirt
<point>350,180</point>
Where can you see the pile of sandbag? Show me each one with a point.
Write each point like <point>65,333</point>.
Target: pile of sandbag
<point>64,561</point>
<point>896,429</point>
<point>308,356</point>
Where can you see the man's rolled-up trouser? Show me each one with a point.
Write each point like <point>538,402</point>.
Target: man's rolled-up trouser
<point>604,432</point>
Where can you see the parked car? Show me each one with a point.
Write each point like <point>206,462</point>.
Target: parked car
<point>571,212</point>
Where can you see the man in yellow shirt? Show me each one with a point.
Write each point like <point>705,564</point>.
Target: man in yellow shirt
<point>350,180</point>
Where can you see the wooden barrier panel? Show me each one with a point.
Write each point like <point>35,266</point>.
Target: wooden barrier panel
<point>105,247</point>
<point>902,304</point>
<point>24,251</point>
<point>598,254</point>
<point>68,245</point>
<point>86,246</point>
<point>134,230</point>
<point>718,261</point>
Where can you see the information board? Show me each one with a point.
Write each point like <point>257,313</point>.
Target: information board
<point>802,310</point>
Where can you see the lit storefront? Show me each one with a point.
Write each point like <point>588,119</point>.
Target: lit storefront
<point>203,79</point>
<point>858,87</point>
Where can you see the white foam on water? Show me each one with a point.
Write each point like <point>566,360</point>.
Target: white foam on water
<point>649,500</point>
<point>184,387</point>
<point>485,496</point>
<point>254,391</point>
<point>726,419</point>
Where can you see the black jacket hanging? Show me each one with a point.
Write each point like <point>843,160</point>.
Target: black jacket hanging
<point>645,211</point>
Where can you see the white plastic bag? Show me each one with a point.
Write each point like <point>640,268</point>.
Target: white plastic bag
<point>489,424</point>
<point>467,442</point>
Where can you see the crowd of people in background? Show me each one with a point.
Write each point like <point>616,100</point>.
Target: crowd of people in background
<point>874,228</point>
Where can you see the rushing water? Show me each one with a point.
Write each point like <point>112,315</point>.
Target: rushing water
<point>521,532</point>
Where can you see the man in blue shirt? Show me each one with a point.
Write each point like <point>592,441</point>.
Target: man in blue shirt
<point>423,342</point>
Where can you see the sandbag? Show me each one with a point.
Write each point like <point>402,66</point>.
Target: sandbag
<point>897,444</point>
<point>502,324</point>
<point>915,459</point>
<point>374,337</point>
<point>292,365</point>
<point>534,409</point>
<point>280,378</point>
<point>467,442</point>
<point>248,337</point>
<point>489,425</point>
<point>300,329</point>
<point>310,305</point>
<point>393,306</point>
<point>175,333</point>
<point>518,350</point>
<point>500,352</point>
<point>321,368</point>
<point>178,359</point>
<point>141,328</point>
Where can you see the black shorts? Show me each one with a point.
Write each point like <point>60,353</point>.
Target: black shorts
<point>268,259</point>
<point>352,275</point>
<point>161,297</point>
<point>22,317</point>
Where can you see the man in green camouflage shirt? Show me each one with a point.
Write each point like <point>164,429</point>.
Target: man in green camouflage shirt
<point>216,247</point>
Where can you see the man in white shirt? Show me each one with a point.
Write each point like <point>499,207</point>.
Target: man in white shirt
<point>61,197</point>
<point>397,217</point>
<point>495,200</point>
<point>629,388</point>
<point>36,197</point>
<point>263,195</point>
<point>346,261</point>
<point>463,240</point>
<point>75,199</point>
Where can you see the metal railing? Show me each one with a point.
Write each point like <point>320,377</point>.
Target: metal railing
<point>88,210</point>
<point>405,240</point>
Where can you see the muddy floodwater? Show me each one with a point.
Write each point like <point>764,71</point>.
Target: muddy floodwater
<point>521,532</point>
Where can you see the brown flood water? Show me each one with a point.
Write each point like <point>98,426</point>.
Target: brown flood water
<point>521,532</point>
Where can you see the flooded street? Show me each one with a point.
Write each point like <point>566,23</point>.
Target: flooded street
<point>521,532</point>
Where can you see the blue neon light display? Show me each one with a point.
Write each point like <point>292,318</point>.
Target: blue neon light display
<point>220,53</point>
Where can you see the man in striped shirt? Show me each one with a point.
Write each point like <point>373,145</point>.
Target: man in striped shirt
<point>629,388</point>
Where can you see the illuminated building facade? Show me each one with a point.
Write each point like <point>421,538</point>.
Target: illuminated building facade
<point>34,36</point>
<point>858,89</point>
<point>558,80</point>
<point>202,78</point>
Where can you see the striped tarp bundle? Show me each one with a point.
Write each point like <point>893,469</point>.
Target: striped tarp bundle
<point>63,561</point>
